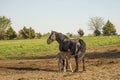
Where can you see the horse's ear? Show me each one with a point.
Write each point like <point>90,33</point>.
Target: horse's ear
<point>52,31</point>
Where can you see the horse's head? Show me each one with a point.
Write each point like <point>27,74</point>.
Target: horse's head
<point>52,37</point>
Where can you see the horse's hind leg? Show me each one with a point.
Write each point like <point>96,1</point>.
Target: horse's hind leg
<point>83,61</point>
<point>76,60</point>
<point>67,63</point>
<point>82,58</point>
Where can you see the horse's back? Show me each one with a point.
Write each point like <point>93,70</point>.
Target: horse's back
<point>78,45</point>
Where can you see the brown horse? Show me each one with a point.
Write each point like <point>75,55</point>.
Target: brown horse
<point>76,46</point>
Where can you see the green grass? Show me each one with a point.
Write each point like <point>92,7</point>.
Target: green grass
<point>96,42</point>
<point>36,48</point>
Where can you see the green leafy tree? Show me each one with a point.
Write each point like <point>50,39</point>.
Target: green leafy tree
<point>69,34</point>
<point>97,32</point>
<point>10,33</point>
<point>27,33</point>
<point>5,23</point>
<point>96,24</point>
<point>109,29</point>
<point>38,35</point>
<point>22,33</point>
<point>31,33</point>
<point>46,34</point>
<point>81,32</point>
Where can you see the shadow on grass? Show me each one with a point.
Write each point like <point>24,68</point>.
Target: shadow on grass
<point>33,57</point>
<point>29,69</point>
<point>108,54</point>
<point>94,55</point>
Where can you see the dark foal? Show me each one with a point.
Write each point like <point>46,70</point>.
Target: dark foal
<point>76,46</point>
<point>64,56</point>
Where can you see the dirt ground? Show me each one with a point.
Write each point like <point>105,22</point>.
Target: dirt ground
<point>101,64</point>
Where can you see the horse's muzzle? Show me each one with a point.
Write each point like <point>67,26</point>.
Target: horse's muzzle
<point>49,41</point>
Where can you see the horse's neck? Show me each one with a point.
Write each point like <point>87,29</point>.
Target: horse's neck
<point>60,38</point>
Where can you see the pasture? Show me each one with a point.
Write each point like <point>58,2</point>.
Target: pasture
<point>36,48</point>
<point>35,60</point>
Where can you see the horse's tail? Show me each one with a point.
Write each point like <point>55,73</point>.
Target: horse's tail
<point>77,47</point>
<point>82,46</point>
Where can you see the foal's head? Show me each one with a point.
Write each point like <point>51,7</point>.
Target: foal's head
<point>52,37</point>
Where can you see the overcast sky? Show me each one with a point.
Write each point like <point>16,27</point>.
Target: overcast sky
<point>59,15</point>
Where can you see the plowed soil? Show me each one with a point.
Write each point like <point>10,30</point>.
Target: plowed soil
<point>101,64</point>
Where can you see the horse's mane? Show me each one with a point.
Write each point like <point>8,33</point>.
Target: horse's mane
<point>62,35</point>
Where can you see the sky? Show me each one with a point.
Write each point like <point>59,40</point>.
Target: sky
<point>59,15</point>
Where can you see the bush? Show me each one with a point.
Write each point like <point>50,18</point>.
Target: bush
<point>10,34</point>
<point>97,32</point>
<point>27,33</point>
<point>80,32</point>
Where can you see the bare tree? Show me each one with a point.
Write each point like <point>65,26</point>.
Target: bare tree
<point>96,24</point>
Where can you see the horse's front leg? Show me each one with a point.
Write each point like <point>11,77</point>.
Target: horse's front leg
<point>76,61</point>
<point>63,64</point>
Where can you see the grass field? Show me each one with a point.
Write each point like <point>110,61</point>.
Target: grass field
<point>37,63</point>
<point>25,49</point>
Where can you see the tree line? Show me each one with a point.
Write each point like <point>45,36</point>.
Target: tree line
<point>7,32</point>
<point>96,24</point>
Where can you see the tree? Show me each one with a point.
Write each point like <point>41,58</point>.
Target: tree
<point>22,33</point>
<point>81,32</point>
<point>97,32</point>
<point>96,24</point>
<point>69,34</point>
<point>38,35</point>
<point>31,33</point>
<point>10,33</point>
<point>5,23</point>
<point>109,29</point>
<point>27,33</point>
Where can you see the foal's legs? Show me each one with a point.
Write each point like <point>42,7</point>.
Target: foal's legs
<point>70,66</point>
<point>65,64</point>
<point>60,64</point>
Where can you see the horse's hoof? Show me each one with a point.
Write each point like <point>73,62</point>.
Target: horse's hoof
<point>72,71</point>
<point>75,70</point>
<point>61,70</point>
<point>84,70</point>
